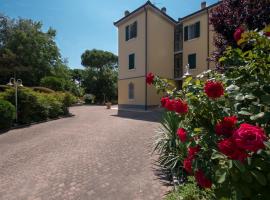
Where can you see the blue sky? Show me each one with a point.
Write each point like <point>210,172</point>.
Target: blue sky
<point>87,24</point>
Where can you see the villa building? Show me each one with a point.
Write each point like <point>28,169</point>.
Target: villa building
<point>151,41</point>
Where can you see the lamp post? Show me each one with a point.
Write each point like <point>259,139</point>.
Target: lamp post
<point>15,83</point>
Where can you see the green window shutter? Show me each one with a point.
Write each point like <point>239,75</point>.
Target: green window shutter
<point>131,64</point>
<point>197,29</point>
<point>131,91</point>
<point>127,33</point>
<point>192,61</point>
<point>186,33</point>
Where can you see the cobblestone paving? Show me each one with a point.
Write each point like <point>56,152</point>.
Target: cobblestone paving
<point>93,155</point>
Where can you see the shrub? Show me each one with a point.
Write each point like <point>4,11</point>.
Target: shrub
<point>35,106</point>
<point>53,83</point>
<point>225,132</point>
<point>190,191</point>
<point>7,114</point>
<point>89,98</point>
<point>42,89</point>
<point>3,88</point>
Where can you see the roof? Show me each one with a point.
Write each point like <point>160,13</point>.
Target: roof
<point>201,10</point>
<point>148,3</point>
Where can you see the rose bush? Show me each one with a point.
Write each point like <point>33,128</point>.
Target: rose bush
<point>217,127</point>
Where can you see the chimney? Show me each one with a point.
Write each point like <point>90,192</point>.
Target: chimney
<point>203,4</point>
<point>163,9</point>
<point>127,12</point>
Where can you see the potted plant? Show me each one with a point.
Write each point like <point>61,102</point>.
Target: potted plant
<point>108,105</point>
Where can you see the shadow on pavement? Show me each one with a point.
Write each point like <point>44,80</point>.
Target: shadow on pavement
<point>151,116</point>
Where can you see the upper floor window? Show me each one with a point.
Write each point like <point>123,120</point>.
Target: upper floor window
<point>178,38</point>
<point>131,31</point>
<point>192,61</point>
<point>131,61</point>
<point>192,31</point>
<point>130,91</point>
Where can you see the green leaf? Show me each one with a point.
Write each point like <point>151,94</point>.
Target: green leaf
<point>255,117</point>
<point>217,155</point>
<point>240,97</point>
<point>267,144</point>
<point>221,176</point>
<point>239,165</point>
<point>259,177</point>
<point>242,112</point>
<point>250,97</point>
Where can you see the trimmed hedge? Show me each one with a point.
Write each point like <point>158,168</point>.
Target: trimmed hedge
<point>35,106</point>
<point>42,89</point>
<point>7,114</point>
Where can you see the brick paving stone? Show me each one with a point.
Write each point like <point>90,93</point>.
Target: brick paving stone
<point>95,154</point>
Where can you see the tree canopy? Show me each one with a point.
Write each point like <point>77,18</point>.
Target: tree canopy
<point>98,59</point>
<point>26,50</point>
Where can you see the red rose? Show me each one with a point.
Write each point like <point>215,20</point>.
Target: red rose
<point>267,34</point>
<point>230,149</point>
<point>164,100</point>
<point>182,134</point>
<point>227,126</point>
<point>202,180</point>
<point>170,104</point>
<point>188,165</point>
<point>181,106</point>
<point>192,151</point>
<point>238,33</point>
<point>214,89</point>
<point>150,78</point>
<point>249,137</point>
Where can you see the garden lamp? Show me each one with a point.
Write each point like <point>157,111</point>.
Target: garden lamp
<point>16,84</point>
<point>187,74</point>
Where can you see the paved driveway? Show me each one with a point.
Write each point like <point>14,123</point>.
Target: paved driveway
<point>94,155</point>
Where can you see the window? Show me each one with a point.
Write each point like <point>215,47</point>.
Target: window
<point>192,61</point>
<point>131,31</point>
<point>131,61</point>
<point>178,38</point>
<point>192,31</point>
<point>178,65</point>
<point>130,91</point>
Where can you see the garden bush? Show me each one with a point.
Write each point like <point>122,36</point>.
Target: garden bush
<point>35,106</point>
<point>42,89</point>
<point>53,83</point>
<point>7,114</point>
<point>190,191</point>
<point>223,122</point>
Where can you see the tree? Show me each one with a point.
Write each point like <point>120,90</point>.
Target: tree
<point>27,51</point>
<point>232,14</point>
<point>99,59</point>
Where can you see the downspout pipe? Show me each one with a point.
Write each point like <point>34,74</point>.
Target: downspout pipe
<point>208,29</point>
<point>146,54</point>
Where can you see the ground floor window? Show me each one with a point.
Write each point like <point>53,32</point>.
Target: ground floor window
<point>192,61</point>
<point>130,91</point>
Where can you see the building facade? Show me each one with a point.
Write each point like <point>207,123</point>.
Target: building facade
<point>149,40</point>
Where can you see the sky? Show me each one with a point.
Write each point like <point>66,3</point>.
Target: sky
<point>87,24</point>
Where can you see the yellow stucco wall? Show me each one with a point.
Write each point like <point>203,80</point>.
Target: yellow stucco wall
<point>197,45</point>
<point>134,45</point>
<point>139,91</point>
<point>160,51</point>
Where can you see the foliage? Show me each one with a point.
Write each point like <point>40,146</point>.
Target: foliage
<point>102,84</point>
<point>54,83</point>
<point>190,191</point>
<point>89,98</point>
<point>42,89</point>
<point>98,59</point>
<point>7,114</point>
<point>227,124</point>
<point>231,14</point>
<point>35,106</point>
<point>26,50</point>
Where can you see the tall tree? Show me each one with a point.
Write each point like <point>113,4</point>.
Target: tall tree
<point>26,50</point>
<point>98,59</point>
